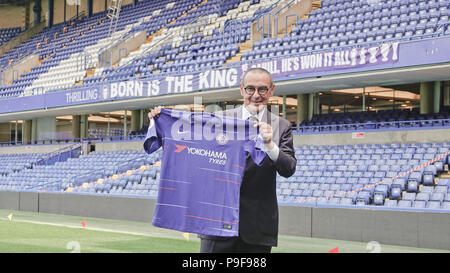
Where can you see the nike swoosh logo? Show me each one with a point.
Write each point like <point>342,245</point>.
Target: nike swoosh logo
<point>180,148</point>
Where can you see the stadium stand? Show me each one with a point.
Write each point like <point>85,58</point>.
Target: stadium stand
<point>211,35</point>
<point>7,34</point>
<point>16,162</point>
<point>341,23</point>
<point>98,132</point>
<point>66,47</point>
<point>344,175</point>
<point>367,174</point>
<point>84,173</point>
<point>397,168</point>
<point>194,35</point>
<point>371,120</point>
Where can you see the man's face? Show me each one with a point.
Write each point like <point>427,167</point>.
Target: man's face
<point>255,81</point>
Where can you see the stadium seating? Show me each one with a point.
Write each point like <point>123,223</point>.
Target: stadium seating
<point>343,175</point>
<point>367,174</point>
<point>369,120</point>
<point>52,45</point>
<point>82,174</point>
<point>101,132</point>
<point>10,163</point>
<point>343,23</point>
<point>192,35</point>
<point>7,34</point>
<point>68,50</point>
<point>118,177</point>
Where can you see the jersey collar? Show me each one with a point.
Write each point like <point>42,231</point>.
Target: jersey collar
<point>246,114</point>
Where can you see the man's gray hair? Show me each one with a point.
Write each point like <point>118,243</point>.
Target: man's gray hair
<point>259,70</point>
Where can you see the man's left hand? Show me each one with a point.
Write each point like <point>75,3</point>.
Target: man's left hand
<point>266,132</point>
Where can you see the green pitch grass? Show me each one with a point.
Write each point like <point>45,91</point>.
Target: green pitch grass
<point>28,232</point>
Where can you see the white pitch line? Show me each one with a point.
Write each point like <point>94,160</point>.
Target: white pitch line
<point>91,228</point>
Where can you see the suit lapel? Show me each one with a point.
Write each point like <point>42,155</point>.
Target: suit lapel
<point>274,122</point>
<point>239,112</point>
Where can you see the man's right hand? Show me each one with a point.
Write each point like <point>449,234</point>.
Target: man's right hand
<point>154,113</point>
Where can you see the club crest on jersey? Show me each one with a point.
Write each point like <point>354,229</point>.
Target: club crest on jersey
<point>222,139</point>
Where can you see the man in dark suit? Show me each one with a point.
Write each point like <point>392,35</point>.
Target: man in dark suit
<point>258,208</point>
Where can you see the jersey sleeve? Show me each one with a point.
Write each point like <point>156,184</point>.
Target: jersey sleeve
<point>153,139</point>
<point>255,148</point>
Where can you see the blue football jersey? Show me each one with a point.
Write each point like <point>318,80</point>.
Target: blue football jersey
<point>202,168</point>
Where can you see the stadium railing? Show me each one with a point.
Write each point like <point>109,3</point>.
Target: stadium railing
<point>62,154</point>
<point>367,126</point>
<point>70,140</point>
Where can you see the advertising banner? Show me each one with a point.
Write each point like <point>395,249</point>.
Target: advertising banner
<point>350,59</point>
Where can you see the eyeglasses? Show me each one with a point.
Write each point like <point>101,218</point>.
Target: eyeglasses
<point>263,90</point>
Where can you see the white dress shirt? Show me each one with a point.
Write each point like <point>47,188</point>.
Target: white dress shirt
<point>273,153</point>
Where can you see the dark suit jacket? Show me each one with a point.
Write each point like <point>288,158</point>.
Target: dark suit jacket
<point>258,209</point>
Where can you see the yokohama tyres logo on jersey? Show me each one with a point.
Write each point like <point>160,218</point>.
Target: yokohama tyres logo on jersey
<point>215,157</point>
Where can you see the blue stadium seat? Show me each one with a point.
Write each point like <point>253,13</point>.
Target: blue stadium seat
<point>431,169</point>
<point>297,192</point>
<point>346,201</point>
<point>422,196</point>
<point>419,204</point>
<point>433,204</point>
<point>404,204</point>
<point>390,203</point>
<point>334,200</point>
<point>346,187</point>
<point>383,189</point>
<point>317,193</point>
<point>363,196</point>
<point>412,186</point>
<point>439,166</point>
<point>446,205</point>
<point>409,196</point>
<point>378,198</point>
<point>400,182</point>
<point>307,193</point>
<point>353,195</point>
<point>441,189</point>
<point>437,197</point>
<point>443,182</point>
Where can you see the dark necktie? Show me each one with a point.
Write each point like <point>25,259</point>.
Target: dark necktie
<point>252,118</point>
